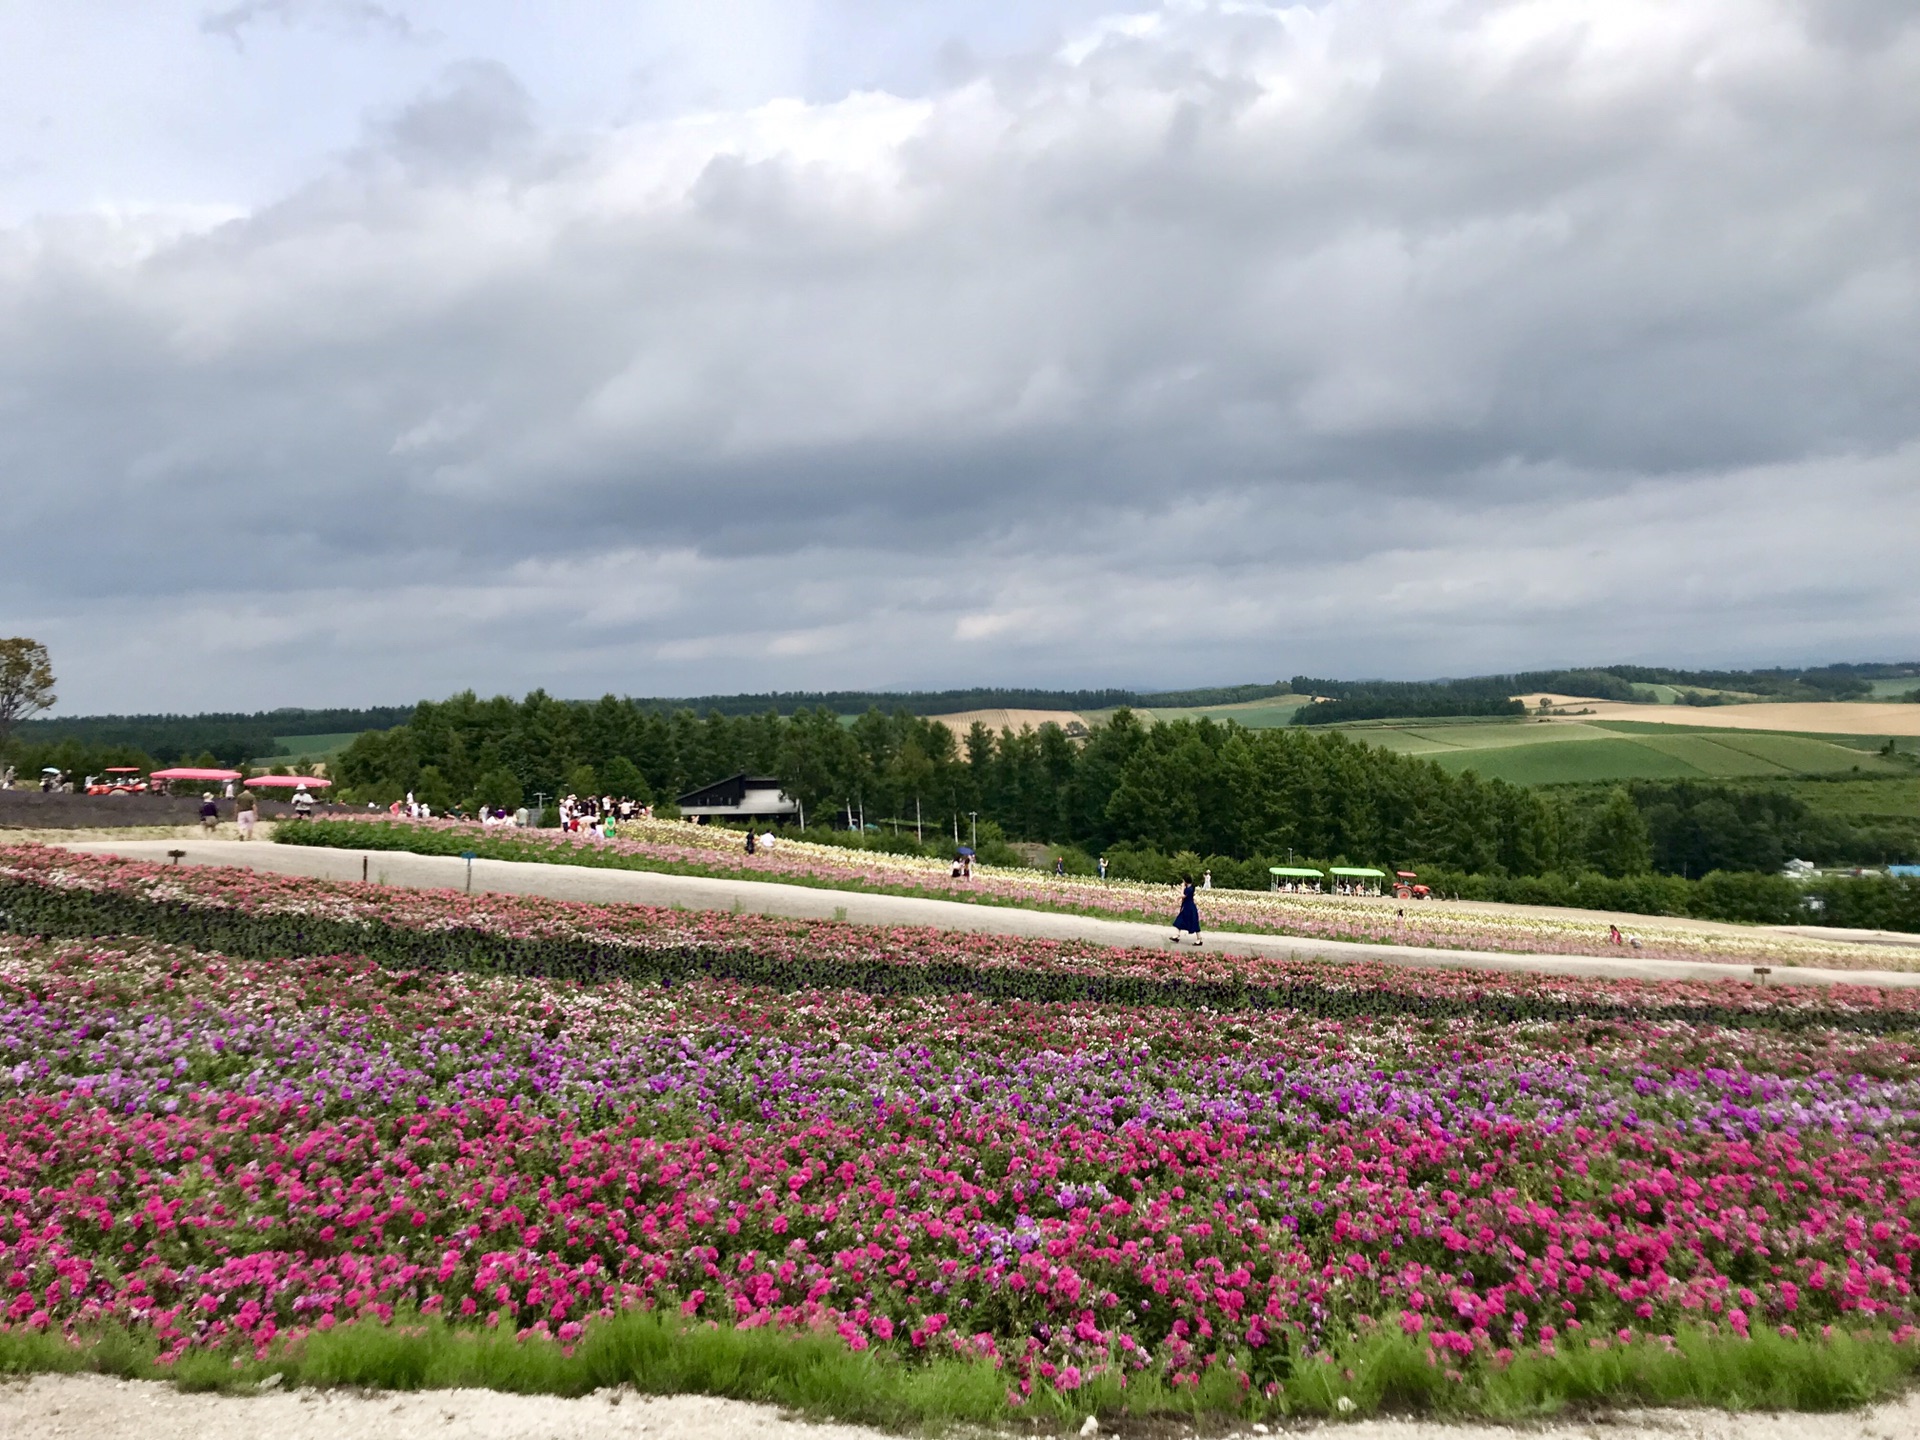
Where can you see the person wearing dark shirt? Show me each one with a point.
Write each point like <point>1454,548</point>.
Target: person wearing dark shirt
<point>1187,922</point>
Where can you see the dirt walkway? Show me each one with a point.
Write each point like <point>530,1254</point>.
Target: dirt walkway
<point>79,1407</point>
<point>642,887</point>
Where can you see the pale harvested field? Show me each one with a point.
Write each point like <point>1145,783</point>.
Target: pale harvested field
<point>79,1407</point>
<point>1015,720</point>
<point>1842,717</point>
<point>1863,717</point>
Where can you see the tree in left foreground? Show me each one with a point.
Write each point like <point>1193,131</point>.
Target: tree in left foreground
<point>26,682</point>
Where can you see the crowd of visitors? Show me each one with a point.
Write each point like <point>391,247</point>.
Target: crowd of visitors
<point>599,814</point>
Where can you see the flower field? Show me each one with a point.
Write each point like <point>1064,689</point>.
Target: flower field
<point>1281,1186</point>
<point>671,845</point>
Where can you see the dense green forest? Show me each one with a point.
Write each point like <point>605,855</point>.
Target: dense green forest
<point>80,743</point>
<point>1146,793</point>
<point>84,742</point>
<point>1194,788</point>
<point>226,739</point>
<point>1348,700</point>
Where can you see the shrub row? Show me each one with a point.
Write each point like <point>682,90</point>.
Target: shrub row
<point>1743,897</point>
<point>1865,903</point>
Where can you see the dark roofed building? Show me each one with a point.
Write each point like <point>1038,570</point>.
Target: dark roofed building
<point>739,797</point>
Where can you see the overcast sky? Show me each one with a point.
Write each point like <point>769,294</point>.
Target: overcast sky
<point>357,352</point>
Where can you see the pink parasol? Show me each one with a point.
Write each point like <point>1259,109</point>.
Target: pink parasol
<point>188,772</point>
<point>289,782</point>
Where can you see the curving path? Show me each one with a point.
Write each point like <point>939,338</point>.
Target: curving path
<point>93,1407</point>
<point>98,1408</point>
<point>641,887</point>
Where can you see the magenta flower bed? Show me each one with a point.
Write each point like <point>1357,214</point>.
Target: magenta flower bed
<point>647,928</point>
<point>234,1153</point>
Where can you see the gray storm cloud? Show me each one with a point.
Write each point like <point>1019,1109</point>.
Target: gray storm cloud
<point>1217,343</point>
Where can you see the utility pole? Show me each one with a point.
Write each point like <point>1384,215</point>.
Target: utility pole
<point>973,816</point>
<point>919,835</point>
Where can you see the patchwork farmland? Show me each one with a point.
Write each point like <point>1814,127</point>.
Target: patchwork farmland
<point>1550,752</point>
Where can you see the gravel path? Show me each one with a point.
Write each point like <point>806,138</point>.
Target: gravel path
<point>78,1407</point>
<point>576,882</point>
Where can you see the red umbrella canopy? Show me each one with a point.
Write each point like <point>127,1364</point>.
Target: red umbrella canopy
<point>188,772</point>
<point>289,782</point>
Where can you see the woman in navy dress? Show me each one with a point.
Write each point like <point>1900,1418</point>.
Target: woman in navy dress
<point>1188,920</point>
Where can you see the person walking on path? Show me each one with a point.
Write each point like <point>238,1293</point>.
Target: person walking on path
<point>752,844</point>
<point>209,812</point>
<point>246,815</point>
<point>1188,920</point>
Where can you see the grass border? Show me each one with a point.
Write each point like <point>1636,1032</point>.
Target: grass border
<point>656,1352</point>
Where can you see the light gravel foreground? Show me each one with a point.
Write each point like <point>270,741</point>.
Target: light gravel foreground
<point>68,1407</point>
<point>761,897</point>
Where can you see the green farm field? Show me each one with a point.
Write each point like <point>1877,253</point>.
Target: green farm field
<point>1530,752</point>
<point>1254,714</point>
<point>1269,714</point>
<point>308,747</point>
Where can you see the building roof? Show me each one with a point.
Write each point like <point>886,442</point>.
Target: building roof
<point>744,793</point>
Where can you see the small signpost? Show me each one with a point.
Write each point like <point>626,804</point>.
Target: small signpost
<point>468,856</point>
<point>176,856</point>
<point>1761,972</point>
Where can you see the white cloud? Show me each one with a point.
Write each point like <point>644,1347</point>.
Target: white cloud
<point>1400,339</point>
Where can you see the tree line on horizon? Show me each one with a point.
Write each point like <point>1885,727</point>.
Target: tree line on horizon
<point>1240,798</point>
<point>230,738</point>
<point>1185,787</point>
